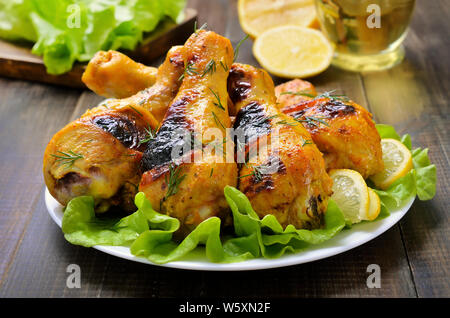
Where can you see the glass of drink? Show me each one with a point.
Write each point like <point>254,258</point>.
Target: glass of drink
<point>367,34</point>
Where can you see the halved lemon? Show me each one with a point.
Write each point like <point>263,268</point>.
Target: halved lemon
<point>292,51</point>
<point>397,163</point>
<point>351,194</point>
<point>257,16</point>
<point>374,206</point>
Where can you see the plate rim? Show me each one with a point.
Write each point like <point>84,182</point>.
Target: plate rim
<point>319,251</point>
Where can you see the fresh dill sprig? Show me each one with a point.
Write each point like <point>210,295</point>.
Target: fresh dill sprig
<point>173,180</point>
<point>257,173</point>
<point>210,67</point>
<point>313,121</point>
<point>188,69</point>
<point>307,142</point>
<point>225,68</point>
<point>263,119</point>
<point>285,122</point>
<point>203,27</point>
<point>330,95</point>
<point>67,158</point>
<point>133,108</point>
<point>299,93</point>
<point>151,133</point>
<point>218,103</point>
<point>236,50</point>
<point>217,120</point>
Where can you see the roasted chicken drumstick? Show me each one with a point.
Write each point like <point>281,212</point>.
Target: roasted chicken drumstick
<point>99,154</point>
<point>113,74</point>
<point>191,188</point>
<point>288,179</point>
<point>342,130</point>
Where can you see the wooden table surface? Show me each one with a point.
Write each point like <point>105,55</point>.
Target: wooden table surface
<point>413,255</point>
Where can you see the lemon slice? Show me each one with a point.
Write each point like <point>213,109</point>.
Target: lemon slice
<point>351,194</point>
<point>374,206</point>
<point>293,51</point>
<point>397,161</point>
<point>257,16</point>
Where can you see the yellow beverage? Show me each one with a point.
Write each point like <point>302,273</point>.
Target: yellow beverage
<point>367,34</point>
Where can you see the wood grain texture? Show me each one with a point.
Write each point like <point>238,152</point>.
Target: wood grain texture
<point>413,256</point>
<point>18,61</point>
<point>414,98</point>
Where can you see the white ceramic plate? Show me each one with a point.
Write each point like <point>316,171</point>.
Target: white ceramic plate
<point>342,242</point>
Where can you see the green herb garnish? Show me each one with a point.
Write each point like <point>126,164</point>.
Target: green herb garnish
<point>67,158</point>
<point>236,50</point>
<point>217,120</point>
<point>188,69</point>
<point>203,27</point>
<point>218,103</point>
<point>313,121</point>
<point>225,68</point>
<point>151,133</point>
<point>173,180</point>
<point>209,68</point>
<point>133,108</point>
<point>299,93</point>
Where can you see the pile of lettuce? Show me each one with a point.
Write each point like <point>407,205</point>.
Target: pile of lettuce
<point>149,233</point>
<point>65,31</point>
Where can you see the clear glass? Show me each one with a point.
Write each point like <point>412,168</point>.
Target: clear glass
<point>367,34</point>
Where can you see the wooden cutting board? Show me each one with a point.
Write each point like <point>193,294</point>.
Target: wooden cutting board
<point>18,62</point>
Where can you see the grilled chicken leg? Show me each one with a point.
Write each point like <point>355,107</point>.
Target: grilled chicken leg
<point>342,130</point>
<point>113,74</point>
<point>99,154</point>
<point>191,188</point>
<point>288,177</point>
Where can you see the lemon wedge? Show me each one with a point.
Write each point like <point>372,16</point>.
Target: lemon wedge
<point>351,194</point>
<point>292,51</point>
<point>397,161</point>
<point>374,206</point>
<point>257,16</point>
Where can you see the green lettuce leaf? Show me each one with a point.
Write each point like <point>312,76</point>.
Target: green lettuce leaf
<point>65,31</point>
<point>266,237</point>
<point>421,180</point>
<point>81,226</point>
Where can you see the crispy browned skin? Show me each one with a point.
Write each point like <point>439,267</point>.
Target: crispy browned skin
<point>109,138</point>
<point>199,194</point>
<point>290,180</point>
<point>158,97</point>
<point>113,74</point>
<point>108,142</point>
<point>294,92</point>
<point>343,131</point>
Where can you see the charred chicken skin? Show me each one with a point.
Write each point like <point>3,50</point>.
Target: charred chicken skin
<point>191,188</point>
<point>288,177</point>
<point>99,154</point>
<point>342,130</point>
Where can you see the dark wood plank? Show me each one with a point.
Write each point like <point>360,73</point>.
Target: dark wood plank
<point>18,62</point>
<point>30,115</point>
<point>414,98</point>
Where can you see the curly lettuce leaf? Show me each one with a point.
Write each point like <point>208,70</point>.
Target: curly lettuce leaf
<point>266,237</point>
<point>150,234</point>
<point>66,31</point>
<point>81,226</point>
<point>420,181</point>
